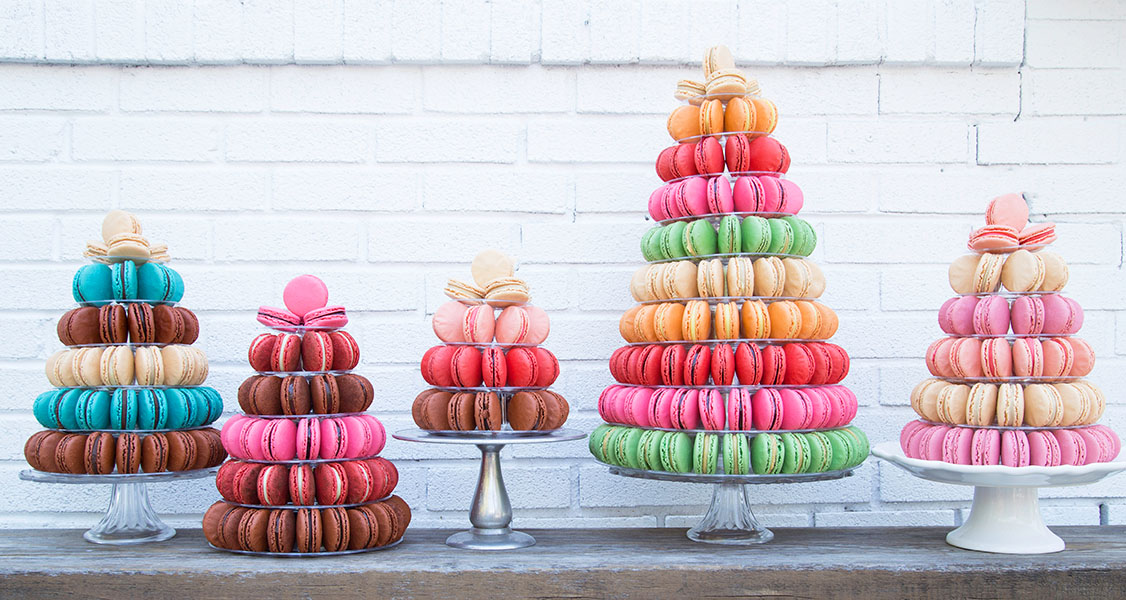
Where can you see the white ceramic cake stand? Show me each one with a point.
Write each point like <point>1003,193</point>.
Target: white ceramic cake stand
<point>130,517</point>
<point>1005,516</point>
<point>491,513</point>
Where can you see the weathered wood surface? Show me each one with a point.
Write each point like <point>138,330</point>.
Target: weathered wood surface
<point>616,563</point>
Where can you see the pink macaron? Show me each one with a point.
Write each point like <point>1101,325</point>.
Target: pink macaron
<point>1043,449</point>
<point>739,409</point>
<point>660,407</point>
<point>478,324</point>
<point>1083,357</point>
<point>1027,315</point>
<point>986,447</point>
<point>797,409</point>
<point>308,439</point>
<point>279,440</point>
<point>328,317</point>
<point>720,200</point>
<point>1113,443</point>
<point>1062,315</point>
<point>908,430</point>
<point>1059,357</point>
<point>278,318</point>
<point>1028,358</point>
<point>945,322</point>
<point>993,237</point>
<point>230,434</point>
<point>305,293</point>
<point>957,446</point>
<point>250,439</point>
<point>713,413</point>
<point>676,200</point>
<point>792,199</point>
<point>991,316</point>
<point>635,407</point>
<point>685,409</point>
<point>448,322</point>
<point>694,192</point>
<point>748,195</point>
<point>772,193</point>
<point>959,315</point>
<point>1010,210</point>
<point>334,438</point>
<point>366,435</point>
<point>931,442</point>
<point>656,206</point>
<point>825,409</point>
<point>1094,444</point>
<point>766,409</point>
<point>1014,448</point>
<point>996,358</point>
<point>965,358</point>
<point>938,357</point>
<point>1073,449</point>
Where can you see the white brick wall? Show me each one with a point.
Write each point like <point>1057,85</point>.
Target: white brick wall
<point>380,144</point>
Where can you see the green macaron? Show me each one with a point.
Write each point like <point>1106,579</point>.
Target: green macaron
<point>705,453</point>
<point>700,239</point>
<point>676,452</point>
<point>649,449</point>
<point>643,448</point>
<point>730,239</point>
<point>820,452</point>
<point>795,458</point>
<point>781,236</point>
<point>651,244</point>
<point>627,448</point>
<point>736,454</point>
<point>862,445</point>
<point>805,239</point>
<point>767,454</point>
<point>842,449</point>
<point>594,442</point>
<point>672,240</point>
<point>755,234</point>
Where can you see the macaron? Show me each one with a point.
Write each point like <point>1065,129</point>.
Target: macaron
<point>767,453</point>
<point>305,293</point>
<point>736,454</point>
<point>705,453</point>
<point>93,284</point>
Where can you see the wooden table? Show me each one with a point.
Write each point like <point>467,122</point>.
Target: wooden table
<point>614,563</point>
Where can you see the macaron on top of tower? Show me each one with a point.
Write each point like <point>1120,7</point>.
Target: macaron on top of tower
<point>727,101</point>
<point>494,281</point>
<point>122,240</point>
<point>306,305</point>
<point>1007,227</point>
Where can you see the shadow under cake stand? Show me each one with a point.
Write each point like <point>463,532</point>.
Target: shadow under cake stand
<point>491,512</point>
<point>729,519</point>
<point>130,517</point>
<point>1005,515</point>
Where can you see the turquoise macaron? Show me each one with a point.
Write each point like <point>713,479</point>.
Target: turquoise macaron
<point>767,454</point>
<point>180,409</point>
<point>92,410</point>
<point>177,285</point>
<point>820,452</point>
<point>67,410</point>
<point>93,284</point>
<point>45,408</point>
<point>213,403</point>
<point>736,454</point>
<point>705,453</point>
<point>123,409</point>
<point>124,280</point>
<point>152,409</point>
<point>676,449</point>
<point>700,239</point>
<point>730,235</point>
<point>755,234</point>
<point>805,238</point>
<point>781,236</point>
<point>158,283</point>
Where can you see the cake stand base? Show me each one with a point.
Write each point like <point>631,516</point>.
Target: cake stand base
<point>1005,521</point>
<point>130,519</point>
<point>490,539</point>
<point>729,519</point>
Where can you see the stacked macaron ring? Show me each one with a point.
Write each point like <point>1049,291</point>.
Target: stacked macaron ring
<point>1007,385</point>
<point>490,373</point>
<point>305,475</point>
<point>128,395</point>
<point>727,367</point>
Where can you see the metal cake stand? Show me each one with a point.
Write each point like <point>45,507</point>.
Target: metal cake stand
<point>729,520</point>
<point>130,517</point>
<point>491,512</point>
<point>1005,516</point>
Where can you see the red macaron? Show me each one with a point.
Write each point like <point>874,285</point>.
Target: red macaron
<point>286,353</point>
<point>773,365</point>
<point>261,349</point>
<point>316,351</point>
<point>697,365</point>
<point>672,365</point>
<point>723,364</point>
<point>748,363</point>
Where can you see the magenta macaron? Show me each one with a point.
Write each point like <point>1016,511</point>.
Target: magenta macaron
<point>305,293</point>
<point>797,408</point>
<point>739,409</point>
<point>766,409</point>
<point>713,413</point>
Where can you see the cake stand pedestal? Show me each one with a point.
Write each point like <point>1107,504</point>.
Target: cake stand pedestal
<point>729,519</point>
<point>491,512</point>
<point>130,517</point>
<point>1005,516</point>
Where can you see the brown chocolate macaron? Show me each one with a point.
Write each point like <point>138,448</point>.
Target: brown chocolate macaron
<point>142,326</point>
<point>363,531</point>
<point>334,529</point>
<point>252,530</point>
<point>527,411</point>
<point>308,523</point>
<point>70,454</point>
<point>487,411</point>
<point>265,395</point>
<point>281,530</point>
<point>182,451</point>
<point>191,325</point>
<point>294,395</point>
<point>112,324</point>
<point>401,507</point>
<point>431,409</point>
<point>356,392</point>
<point>101,452</point>
<point>557,409</point>
<point>154,453</point>
<point>127,455</point>
<point>325,394</point>
<point>79,326</point>
<point>169,324</point>
<point>209,448</point>
<point>389,527</point>
<point>462,413</point>
<point>212,523</point>
<point>40,450</point>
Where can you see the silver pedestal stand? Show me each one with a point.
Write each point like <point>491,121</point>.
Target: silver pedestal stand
<point>729,519</point>
<point>491,513</point>
<point>130,517</point>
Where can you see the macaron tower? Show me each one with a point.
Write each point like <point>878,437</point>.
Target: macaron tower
<point>490,372</point>
<point>1007,386</point>
<point>305,477</point>
<point>727,373</point>
<point>128,404</point>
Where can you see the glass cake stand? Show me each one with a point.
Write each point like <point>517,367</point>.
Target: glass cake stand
<point>130,517</point>
<point>1005,515</point>
<point>491,512</point>
<point>729,520</point>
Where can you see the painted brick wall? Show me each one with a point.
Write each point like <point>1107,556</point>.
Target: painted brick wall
<point>381,144</point>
